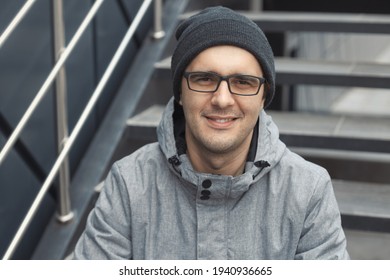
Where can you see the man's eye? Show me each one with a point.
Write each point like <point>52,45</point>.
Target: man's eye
<point>244,81</point>
<point>201,78</point>
<point>205,79</point>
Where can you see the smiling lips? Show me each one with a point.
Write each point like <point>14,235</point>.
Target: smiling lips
<point>220,122</point>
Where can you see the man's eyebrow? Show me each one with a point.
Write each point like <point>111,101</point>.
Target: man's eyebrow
<point>234,73</point>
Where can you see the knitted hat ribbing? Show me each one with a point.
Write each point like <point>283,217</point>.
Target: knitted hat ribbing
<point>221,26</point>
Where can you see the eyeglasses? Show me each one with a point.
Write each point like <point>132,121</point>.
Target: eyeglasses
<point>238,84</point>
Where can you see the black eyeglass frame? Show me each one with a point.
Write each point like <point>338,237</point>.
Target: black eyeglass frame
<point>224,78</point>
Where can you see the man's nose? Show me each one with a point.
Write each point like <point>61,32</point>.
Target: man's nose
<point>222,97</point>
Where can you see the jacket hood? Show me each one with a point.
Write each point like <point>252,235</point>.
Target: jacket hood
<point>265,152</point>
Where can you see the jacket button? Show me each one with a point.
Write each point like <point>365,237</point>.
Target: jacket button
<point>204,197</point>
<point>206,184</point>
<point>205,193</point>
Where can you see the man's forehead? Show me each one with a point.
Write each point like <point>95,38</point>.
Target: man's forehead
<point>227,57</point>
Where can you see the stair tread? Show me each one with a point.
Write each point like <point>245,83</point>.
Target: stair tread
<point>282,21</point>
<point>368,245</point>
<point>363,198</point>
<point>320,72</point>
<point>361,127</point>
<point>149,117</point>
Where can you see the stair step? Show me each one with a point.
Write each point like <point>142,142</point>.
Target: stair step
<point>363,198</point>
<point>336,73</point>
<point>350,165</point>
<point>291,71</point>
<point>143,126</point>
<point>271,21</point>
<point>364,205</point>
<point>354,133</point>
<point>368,245</point>
<point>370,134</point>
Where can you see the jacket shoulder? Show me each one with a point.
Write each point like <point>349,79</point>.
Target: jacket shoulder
<point>145,163</point>
<point>301,180</point>
<point>145,152</point>
<point>294,162</point>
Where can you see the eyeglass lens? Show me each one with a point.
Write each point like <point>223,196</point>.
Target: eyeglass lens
<point>209,82</point>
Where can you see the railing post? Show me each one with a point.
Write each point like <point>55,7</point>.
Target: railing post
<point>158,32</point>
<point>256,5</point>
<point>64,209</point>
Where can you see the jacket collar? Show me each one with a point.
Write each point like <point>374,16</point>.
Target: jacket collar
<point>265,151</point>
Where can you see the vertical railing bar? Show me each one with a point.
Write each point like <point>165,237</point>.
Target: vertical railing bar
<point>15,134</point>
<point>91,103</point>
<point>64,208</point>
<point>158,32</point>
<point>14,23</point>
<point>256,5</point>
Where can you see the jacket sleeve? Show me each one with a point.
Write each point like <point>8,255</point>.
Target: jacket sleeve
<point>322,235</point>
<point>107,232</point>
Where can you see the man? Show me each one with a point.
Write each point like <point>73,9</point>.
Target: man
<point>219,184</point>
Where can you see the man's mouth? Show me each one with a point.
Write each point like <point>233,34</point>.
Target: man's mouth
<point>221,122</point>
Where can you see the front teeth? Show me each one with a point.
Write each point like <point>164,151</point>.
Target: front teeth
<point>222,120</point>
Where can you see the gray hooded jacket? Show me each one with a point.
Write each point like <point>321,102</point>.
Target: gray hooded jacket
<point>155,206</point>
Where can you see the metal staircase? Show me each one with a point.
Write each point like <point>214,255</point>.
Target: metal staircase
<point>354,149</point>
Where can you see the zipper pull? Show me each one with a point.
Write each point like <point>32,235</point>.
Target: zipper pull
<point>175,161</point>
<point>261,164</point>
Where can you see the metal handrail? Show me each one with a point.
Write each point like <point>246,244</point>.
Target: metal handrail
<point>88,109</point>
<point>34,104</point>
<point>14,23</point>
<point>47,84</point>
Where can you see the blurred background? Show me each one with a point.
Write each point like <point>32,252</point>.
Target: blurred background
<point>84,83</point>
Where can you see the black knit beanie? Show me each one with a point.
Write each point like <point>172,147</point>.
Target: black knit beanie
<point>221,26</point>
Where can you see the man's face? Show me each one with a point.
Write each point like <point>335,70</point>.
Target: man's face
<point>221,122</point>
